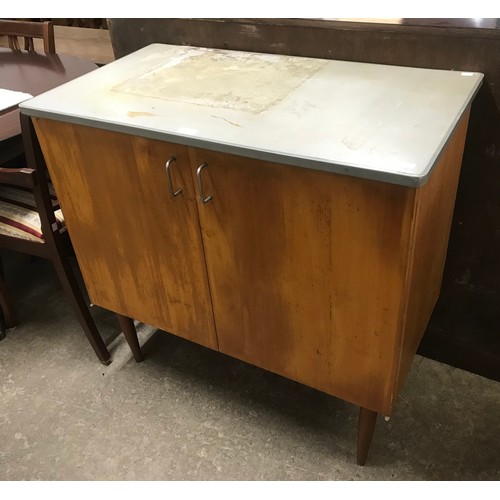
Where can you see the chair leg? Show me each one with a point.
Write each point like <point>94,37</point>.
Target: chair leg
<point>2,270</point>
<point>7,307</point>
<point>366,427</point>
<point>128,329</point>
<point>75,296</point>
<point>3,326</point>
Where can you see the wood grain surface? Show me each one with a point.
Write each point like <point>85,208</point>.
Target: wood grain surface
<point>307,272</point>
<point>433,211</point>
<point>87,43</point>
<point>139,248</point>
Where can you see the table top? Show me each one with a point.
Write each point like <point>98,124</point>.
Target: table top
<point>34,73</point>
<point>381,122</point>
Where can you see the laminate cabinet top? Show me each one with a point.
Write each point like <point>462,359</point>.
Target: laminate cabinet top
<point>381,122</point>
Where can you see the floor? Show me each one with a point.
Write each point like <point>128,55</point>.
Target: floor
<point>187,413</point>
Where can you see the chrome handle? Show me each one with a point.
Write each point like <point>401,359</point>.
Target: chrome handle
<point>200,184</point>
<point>169,177</point>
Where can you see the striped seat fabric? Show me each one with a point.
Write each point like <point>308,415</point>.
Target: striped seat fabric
<point>18,214</point>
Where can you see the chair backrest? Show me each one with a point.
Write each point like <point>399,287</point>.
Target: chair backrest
<point>29,30</point>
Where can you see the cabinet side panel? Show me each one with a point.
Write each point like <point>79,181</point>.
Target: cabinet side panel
<point>307,271</point>
<point>434,203</point>
<point>138,247</point>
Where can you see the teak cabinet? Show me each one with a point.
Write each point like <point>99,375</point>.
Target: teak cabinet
<point>291,212</point>
<point>323,278</point>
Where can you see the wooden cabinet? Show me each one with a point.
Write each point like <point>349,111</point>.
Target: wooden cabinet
<point>326,279</point>
<point>311,228</point>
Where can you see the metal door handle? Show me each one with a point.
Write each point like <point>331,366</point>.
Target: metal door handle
<point>200,184</point>
<point>169,177</point>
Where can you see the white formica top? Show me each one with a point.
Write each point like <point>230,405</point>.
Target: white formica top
<point>381,122</point>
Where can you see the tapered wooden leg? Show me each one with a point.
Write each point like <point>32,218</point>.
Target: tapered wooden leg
<point>75,296</point>
<point>7,307</point>
<point>3,326</point>
<point>128,328</point>
<point>54,247</point>
<point>366,426</point>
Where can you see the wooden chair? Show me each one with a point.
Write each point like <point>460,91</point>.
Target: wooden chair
<point>32,222</point>
<point>29,30</point>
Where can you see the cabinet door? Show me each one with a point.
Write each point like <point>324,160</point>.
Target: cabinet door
<point>306,272</point>
<point>139,247</point>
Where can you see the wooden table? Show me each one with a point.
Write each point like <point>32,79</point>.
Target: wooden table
<point>86,43</point>
<point>33,73</point>
<point>290,212</point>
